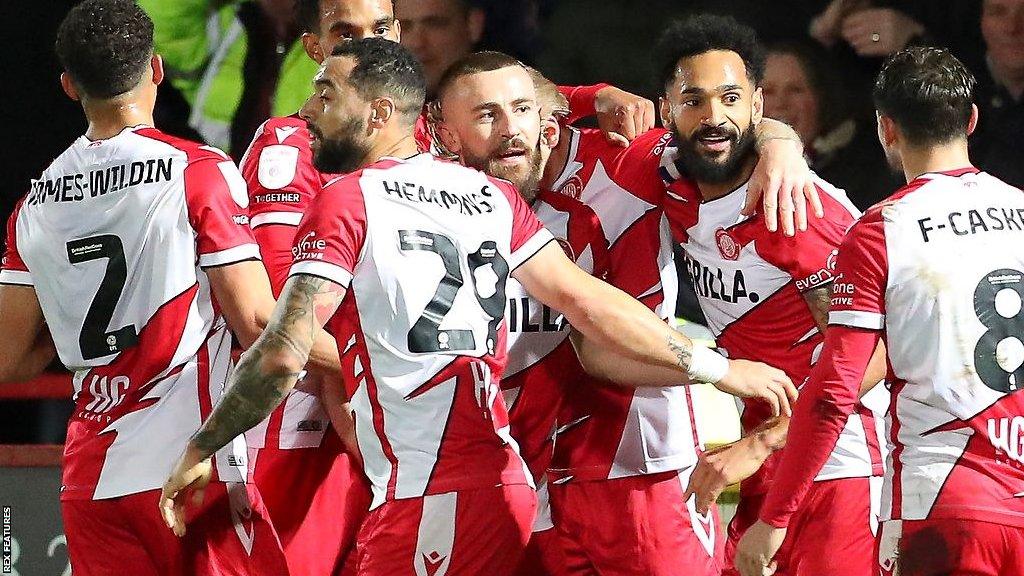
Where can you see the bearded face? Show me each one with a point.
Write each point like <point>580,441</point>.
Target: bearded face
<point>512,160</point>
<point>714,154</point>
<point>341,151</point>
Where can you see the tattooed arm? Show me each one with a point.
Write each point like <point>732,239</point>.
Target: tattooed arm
<point>818,300</point>
<point>264,376</point>
<point>615,324</point>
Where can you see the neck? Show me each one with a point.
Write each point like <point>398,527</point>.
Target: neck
<point>1012,80</point>
<point>918,161</point>
<point>108,118</point>
<point>401,146</point>
<point>710,191</point>
<point>556,162</point>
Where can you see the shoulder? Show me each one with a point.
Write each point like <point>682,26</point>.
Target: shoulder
<point>195,151</point>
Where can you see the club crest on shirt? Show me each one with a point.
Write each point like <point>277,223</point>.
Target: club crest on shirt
<point>567,248</point>
<point>573,188</point>
<point>727,245</point>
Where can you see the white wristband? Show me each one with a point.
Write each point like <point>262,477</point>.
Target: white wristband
<point>707,367</point>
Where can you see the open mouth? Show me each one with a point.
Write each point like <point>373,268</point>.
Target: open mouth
<point>717,142</point>
<point>511,156</point>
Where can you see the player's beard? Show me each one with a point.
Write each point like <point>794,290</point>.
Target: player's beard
<point>346,151</point>
<point>527,179</point>
<point>703,168</point>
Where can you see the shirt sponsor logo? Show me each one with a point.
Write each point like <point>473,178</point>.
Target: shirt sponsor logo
<point>727,246</point>
<point>240,219</point>
<point>718,284</point>
<point>842,293</point>
<point>573,188</point>
<point>281,197</point>
<point>821,277</point>
<point>309,248</point>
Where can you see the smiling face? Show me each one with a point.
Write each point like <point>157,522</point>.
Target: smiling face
<point>492,121</point>
<point>711,107</point>
<point>789,96</point>
<point>336,116</point>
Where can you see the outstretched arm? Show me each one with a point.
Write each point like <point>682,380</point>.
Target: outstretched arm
<point>613,321</point>
<point>265,375</point>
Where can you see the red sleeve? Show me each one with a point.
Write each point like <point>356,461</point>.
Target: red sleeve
<point>582,100</point>
<point>831,392</point>
<point>330,238</point>
<point>218,211</point>
<point>276,252</point>
<point>278,170</point>
<point>528,234</point>
<point>12,268</point>
<point>638,167</point>
<point>809,257</point>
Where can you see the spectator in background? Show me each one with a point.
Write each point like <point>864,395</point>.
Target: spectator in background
<point>439,32</point>
<point>587,41</point>
<point>862,32</point>
<point>997,146</point>
<point>803,87</point>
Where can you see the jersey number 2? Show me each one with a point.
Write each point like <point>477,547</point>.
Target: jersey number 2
<point>1004,319</point>
<point>95,340</point>
<point>426,335</point>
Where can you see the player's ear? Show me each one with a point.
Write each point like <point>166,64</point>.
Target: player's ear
<point>398,31</point>
<point>665,111</point>
<point>449,139</point>
<point>157,64</point>
<point>758,106</point>
<point>972,123</point>
<point>550,131</point>
<point>888,134</point>
<point>311,44</point>
<point>476,19</point>
<point>69,86</point>
<point>381,112</point>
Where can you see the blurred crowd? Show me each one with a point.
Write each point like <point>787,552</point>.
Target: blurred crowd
<point>234,63</point>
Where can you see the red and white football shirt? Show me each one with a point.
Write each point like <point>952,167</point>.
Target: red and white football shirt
<point>425,247</point>
<point>278,168</point>
<point>608,431</point>
<point>114,237</point>
<point>750,284</point>
<point>541,360</point>
<point>937,271</point>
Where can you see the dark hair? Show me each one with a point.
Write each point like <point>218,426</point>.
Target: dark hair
<point>386,68</point>
<point>928,93</point>
<point>822,74</point>
<point>704,33</point>
<point>307,15</point>
<point>105,45</point>
<point>475,63</point>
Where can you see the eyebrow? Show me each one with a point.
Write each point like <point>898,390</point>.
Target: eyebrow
<point>722,88</point>
<point>324,83</point>
<point>346,25</point>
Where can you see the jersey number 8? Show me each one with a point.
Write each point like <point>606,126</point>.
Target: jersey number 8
<point>999,353</point>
